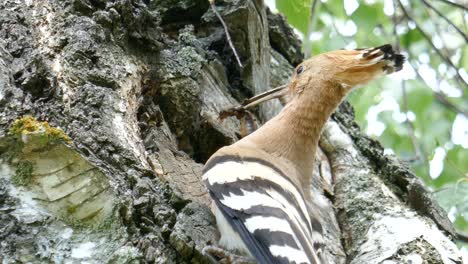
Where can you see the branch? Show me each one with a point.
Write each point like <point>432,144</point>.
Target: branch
<point>446,19</point>
<point>409,125</point>
<point>443,100</point>
<point>462,236</point>
<point>395,23</point>
<point>429,40</point>
<point>438,96</point>
<point>311,27</point>
<point>335,27</point>
<point>455,4</point>
<point>226,30</point>
<point>435,21</point>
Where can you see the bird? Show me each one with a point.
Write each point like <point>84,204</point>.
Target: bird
<point>260,185</point>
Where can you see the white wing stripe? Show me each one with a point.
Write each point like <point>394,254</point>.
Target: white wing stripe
<point>272,223</point>
<point>248,200</point>
<point>290,253</point>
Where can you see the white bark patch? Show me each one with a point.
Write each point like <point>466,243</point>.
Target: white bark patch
<point>47,40</point>
<point>125,120</point>
<point>84,250</point>
<point>388,233</point>
<point>67,233</point>
<point>414,259</point>
<point>333,134</point>
<point>3,82</point>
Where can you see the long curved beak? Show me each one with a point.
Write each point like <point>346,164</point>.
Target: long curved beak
<point>241,111</point>
<point>277,92</point>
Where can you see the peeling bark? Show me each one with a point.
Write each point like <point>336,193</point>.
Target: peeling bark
<point>138,85</point>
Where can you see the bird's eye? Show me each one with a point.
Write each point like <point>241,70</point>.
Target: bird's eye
<point>299,70</point>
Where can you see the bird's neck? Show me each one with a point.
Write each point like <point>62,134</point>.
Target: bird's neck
<point>294,133</point>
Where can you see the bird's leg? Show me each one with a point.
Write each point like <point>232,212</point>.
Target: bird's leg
<point>220,255</point>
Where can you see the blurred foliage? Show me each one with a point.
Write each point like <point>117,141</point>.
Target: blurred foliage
<point>417,107</point>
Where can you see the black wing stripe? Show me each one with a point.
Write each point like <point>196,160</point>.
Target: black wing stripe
<point>280,238</point>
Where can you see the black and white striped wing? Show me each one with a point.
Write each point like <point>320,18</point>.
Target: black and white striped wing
<point>264,207</point>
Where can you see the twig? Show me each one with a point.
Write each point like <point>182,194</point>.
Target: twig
<point>395,23</point>
<point>446,19</point>
<point>429,40</point>
<point>443,100</point>
<point>335,27</point>
<point>409,124</point>
<point>458,170</point>
<point>310,30</point>
<point>455,4</point>
<point>438,31</point>
<point>439,96</point>
<point>226,30</point>
<point>462,236</point>
<point>463,20</point>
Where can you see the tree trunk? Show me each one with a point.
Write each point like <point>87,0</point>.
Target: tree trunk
<point>136,86</point>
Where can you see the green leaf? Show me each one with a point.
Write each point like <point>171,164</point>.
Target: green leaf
<point>367,17</point>
<point>411,37</point>
<point>297,12</point>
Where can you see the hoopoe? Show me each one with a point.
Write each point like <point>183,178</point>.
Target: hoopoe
<point>260,184</point>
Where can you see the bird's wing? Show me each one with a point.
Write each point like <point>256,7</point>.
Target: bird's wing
<point>264,207</point>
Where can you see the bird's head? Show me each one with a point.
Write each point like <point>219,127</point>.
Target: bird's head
<point>342,70</point>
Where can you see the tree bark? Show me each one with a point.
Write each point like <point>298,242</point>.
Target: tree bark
<point>136,86</point>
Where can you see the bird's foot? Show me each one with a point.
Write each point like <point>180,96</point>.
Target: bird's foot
<point>220,255</point>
